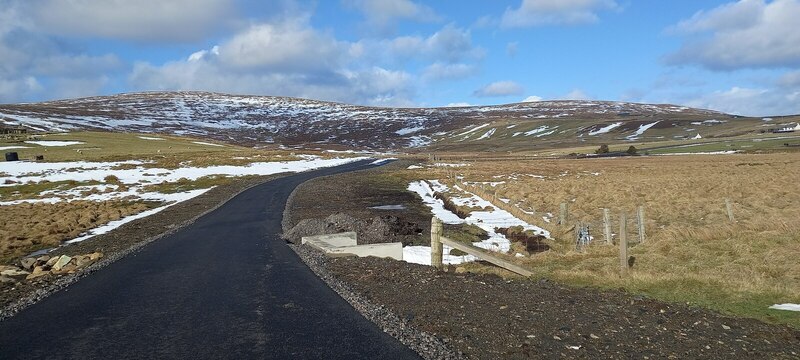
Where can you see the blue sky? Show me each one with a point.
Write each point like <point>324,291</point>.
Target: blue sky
<point>736,56</point>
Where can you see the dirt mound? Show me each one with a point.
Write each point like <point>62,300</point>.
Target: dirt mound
<point>379,229</point>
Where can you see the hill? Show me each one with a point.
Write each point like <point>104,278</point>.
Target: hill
<point>260,120</point>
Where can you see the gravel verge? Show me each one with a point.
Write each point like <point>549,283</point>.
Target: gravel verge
<point>426,345</point>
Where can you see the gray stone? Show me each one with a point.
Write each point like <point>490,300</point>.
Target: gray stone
<point>37,272</point>
<point>14,272</point>
<point>61,262</point>
<point>28,263</point>
<point>41,260</point>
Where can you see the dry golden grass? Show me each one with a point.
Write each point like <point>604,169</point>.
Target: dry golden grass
<point>692,252</point>
<point>27,227</point>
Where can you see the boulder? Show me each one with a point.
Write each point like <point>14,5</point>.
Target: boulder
<point>28,263</point>
<point>95,256</point>
<point>61,262</point>
<point>51,262</point>
<point>37,272</point>
<point>42,260</point>
<point>5,280</point>
<point>6,267</point>
<point>14,272</point>
<point>69,268</point>
<point>82,261</point>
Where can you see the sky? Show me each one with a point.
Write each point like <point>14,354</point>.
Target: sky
<point>740,57</point>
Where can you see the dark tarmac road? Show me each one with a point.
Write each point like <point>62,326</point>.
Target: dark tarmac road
<point>224,287</point>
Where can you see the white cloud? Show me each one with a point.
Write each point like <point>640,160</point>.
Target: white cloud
<point>442,71</point>
<point>576,94</point>
<point>743,34</point>
<point>33,66</point>
<point>749,102</point>
<point>383,14</point>
<point>450,44</point>
<point>555,12</point>
<point>532,98</point>
<point>158,20</point>
<point>499,88</point>
<point>287,59</point>
<point>289,46</point>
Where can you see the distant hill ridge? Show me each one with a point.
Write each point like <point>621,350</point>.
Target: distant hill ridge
<point>254,120</point>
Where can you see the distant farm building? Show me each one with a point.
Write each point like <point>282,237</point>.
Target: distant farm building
<point>788,129</point>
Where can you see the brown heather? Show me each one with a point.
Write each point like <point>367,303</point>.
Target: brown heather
<point>692,252</point>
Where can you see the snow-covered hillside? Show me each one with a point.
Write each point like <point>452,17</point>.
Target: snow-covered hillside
<point>255,120</point>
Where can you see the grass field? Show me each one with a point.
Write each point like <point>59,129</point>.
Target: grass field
<point>38,214</point>
<point>692,252</point>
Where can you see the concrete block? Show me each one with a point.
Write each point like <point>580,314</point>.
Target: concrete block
<point>387,250</point>
<point>344,244</point>
<point>341,239</point>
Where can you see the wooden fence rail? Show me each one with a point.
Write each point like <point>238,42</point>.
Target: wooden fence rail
<point>437,240</point>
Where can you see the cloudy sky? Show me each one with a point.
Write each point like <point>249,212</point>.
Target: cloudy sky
<point>735,56</point>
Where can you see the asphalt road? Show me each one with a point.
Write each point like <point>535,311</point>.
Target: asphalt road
<point>225,287</point>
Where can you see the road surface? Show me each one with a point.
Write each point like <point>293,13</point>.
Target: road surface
<point>224,287</point>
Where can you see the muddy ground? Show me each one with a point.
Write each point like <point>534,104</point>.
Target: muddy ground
<point>487,317</point>
<point>120,242</point>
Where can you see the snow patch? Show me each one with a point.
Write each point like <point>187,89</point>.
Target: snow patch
<point>207,144</point>
<point>486,220</point>
<point>641,130</point>
<point>54,142</point>
<point>788,307</point>
<point>605,129</point>
<point>487,135</point>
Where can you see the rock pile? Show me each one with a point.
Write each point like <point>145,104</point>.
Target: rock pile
<point>379,229</point>
<point>33,267</point>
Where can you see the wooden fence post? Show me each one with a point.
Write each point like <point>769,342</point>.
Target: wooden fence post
<point>641,222</point>
<point>607,226</point>
<point>436,243</point>
<point>562,219</point>
<point>729,209</point>
<point>623,243</point>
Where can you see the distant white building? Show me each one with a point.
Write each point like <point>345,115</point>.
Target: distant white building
<point>788,129</point>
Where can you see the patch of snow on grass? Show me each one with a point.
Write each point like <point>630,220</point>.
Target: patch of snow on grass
<point>538,130</point>
<point>412,167</point>
<point>419,141</point>
<point>149,138</point>
<point>788,307</point>
<point>641,130</point>
<point>409,130</point>
<point>473,130</point>
<point>487,135</point>
<point>486,220</point>
<point>605,129</point>
<point>179,197</point>
<point>726,152</point>
<point>13,147</point>
<point>54,142</point>
<point>382,161</point>
<point>207,144</point>
<point>24,171</point>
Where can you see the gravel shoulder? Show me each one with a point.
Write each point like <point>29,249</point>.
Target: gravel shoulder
<point>483,316</point>
<point>120,242</point>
